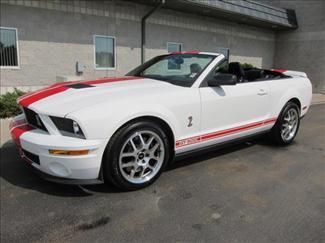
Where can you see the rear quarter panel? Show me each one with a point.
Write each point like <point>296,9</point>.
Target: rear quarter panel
<point>283,90</point>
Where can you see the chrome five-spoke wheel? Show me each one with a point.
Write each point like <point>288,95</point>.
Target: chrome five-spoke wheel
<point>289,124</point>
<point>141,156</point>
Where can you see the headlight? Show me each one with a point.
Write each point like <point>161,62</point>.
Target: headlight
<point>68,127</point>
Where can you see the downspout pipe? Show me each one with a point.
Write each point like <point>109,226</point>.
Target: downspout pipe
<point>143,28</point>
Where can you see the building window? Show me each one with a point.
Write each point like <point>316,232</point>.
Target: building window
<point>224,51</point>
<point>174,47</point>
<point>105,54</point>
<point>9,48</point>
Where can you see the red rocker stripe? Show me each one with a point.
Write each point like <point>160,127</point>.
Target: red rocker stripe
<point>222,133</point>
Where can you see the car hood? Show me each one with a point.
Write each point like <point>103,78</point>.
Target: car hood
<point>61,99</point>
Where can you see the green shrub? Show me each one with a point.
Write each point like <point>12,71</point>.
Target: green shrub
<point>247,66</point>
<point>8,104</point>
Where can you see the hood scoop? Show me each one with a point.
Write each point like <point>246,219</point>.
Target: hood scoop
<point>80,86</point>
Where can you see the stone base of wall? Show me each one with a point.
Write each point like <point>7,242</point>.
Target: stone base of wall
<point>5,133</point>
<point>4,123</point>
<point>5,89</point>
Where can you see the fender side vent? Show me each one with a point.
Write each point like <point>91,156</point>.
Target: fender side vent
<point>79,86</point>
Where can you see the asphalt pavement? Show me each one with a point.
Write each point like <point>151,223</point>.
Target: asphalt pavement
<point>250,192</point>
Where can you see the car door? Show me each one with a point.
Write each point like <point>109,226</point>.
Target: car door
<point>232,111</point>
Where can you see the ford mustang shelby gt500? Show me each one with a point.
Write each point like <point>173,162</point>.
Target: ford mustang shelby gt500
<point>125,130</point>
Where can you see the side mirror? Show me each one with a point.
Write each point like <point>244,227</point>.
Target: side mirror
<point>223,79</point>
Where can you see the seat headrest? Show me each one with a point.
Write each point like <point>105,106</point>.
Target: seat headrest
<point>236,69</point>
<point>195,68</point>
<point>254,74</point>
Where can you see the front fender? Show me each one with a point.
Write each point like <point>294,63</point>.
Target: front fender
<point>102,125</point>
<point>156,111</point>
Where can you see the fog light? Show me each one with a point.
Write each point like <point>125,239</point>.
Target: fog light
<point>59,169</point>
<point>68,152</point>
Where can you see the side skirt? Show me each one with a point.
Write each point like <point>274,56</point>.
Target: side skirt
<point>183,155</point>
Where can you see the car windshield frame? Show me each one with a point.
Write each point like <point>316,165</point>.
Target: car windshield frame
<point>172,79</point>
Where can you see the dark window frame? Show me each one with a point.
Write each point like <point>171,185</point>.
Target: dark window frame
<point>221,49</point>
<point>17,49</point>
<point>114,50</point>
<point>174,43</point>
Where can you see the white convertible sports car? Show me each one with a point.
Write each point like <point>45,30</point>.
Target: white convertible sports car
<point>125,130</point>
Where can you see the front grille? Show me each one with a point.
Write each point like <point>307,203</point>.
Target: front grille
<point>32,157</point>
<point>33,119</point>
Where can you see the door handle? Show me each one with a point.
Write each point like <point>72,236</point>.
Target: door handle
<point>262,92</point>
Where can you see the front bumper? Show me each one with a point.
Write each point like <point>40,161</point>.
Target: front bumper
<point>34,145</point>
<point>67,181</point>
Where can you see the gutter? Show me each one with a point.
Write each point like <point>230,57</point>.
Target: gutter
<point>143,28</point>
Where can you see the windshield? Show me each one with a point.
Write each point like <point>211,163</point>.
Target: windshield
<point>178,69</point>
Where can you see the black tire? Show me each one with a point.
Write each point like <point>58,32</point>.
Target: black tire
<point>111,168</point>
<point>275,133</point>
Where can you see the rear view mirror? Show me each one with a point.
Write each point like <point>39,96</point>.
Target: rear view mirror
<point>223,79</point>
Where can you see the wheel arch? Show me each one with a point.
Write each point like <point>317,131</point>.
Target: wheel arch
<point>285,100</point>
<point>159,121</point>
<point>296,101</point>
<point>162,123</point>
<point>293,100</point>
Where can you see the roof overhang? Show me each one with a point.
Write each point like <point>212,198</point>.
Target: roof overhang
<point>240,11</point>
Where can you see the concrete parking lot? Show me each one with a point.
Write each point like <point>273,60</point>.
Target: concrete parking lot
<point>251,192</point>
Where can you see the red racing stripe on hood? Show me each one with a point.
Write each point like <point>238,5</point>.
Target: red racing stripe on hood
<point>41,95</point>
<point>40,90</point>
<point>31,98</point>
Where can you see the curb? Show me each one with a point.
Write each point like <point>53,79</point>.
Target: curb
<point>318,98</point>
<point>318,103</point>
